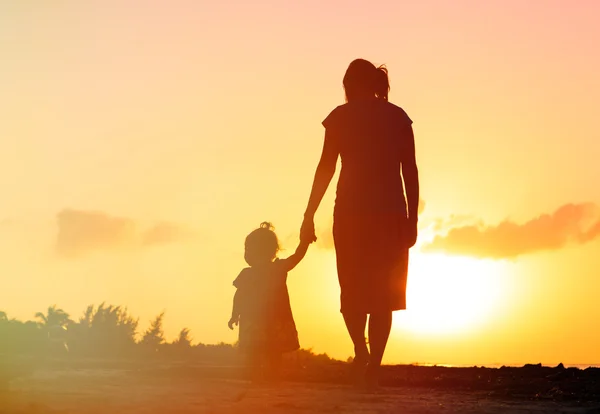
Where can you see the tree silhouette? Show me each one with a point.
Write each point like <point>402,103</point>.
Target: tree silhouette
<point>88,314</point>
<point>20,338</point>
<point>154,335</point>
<point>107,330</point>
<point>184,339</point>
<point>53,317</point>
<point>54,323</point>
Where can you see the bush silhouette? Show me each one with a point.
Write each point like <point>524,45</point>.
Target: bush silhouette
<point>110,332</point>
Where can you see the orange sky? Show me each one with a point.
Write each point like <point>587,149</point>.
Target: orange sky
<point>141,142</point>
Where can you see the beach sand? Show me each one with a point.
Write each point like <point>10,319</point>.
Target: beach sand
<point>115,391</point>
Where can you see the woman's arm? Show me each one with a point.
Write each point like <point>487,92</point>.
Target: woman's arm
<point>410,175</point>
<point>323,176</point>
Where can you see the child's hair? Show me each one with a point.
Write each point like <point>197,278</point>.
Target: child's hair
<point>262,243</point>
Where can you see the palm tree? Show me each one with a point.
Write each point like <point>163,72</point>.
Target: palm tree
<point>55,323</point>
<point>54,318</point>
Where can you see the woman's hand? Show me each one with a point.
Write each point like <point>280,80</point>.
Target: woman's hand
<point>411,233</point>
<point>307,231</point>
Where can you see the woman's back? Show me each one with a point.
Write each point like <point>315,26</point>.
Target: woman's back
<point>373,229</point>
<point>372,136</point>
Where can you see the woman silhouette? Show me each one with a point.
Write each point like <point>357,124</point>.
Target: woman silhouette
<point>374,223</point>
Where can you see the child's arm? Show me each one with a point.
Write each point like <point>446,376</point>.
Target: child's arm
<point>239,283</point>
<point>235,313</point>
<point>294,259</point>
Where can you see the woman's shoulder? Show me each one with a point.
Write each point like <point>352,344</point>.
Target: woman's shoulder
<point>333,117</point>
<point>398,112</point>
<point>351,110</point>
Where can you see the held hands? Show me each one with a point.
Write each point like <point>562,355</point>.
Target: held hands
<point>307,231</point>
<point>235,320</point>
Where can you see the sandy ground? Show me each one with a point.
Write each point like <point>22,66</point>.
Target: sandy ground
<point>114,391</point>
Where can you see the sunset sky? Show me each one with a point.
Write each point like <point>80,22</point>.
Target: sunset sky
<point>143,140</point>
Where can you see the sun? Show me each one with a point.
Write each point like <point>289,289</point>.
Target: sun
<point>450,294</point>
<point>446,295</point>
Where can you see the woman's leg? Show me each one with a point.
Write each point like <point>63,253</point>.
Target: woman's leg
<point>348,253</point>
<point>356,323</point>
<point>380,325</point>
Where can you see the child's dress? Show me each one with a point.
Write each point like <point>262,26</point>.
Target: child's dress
<point>266,320</point>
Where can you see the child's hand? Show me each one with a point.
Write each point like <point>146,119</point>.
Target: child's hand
<point>235,320</point>
<point>307,231</point>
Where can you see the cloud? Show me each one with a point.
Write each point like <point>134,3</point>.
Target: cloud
<point>571,223</point>
<point>454,220</point>
<point>164,233</point>
<point>81,232</point>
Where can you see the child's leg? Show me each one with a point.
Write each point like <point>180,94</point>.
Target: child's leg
<point>273,366</point>
<point>253,366</point>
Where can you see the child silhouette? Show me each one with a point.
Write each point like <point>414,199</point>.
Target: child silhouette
<point>261,305</point>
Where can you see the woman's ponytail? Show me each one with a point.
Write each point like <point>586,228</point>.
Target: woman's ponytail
<point>381,83</point>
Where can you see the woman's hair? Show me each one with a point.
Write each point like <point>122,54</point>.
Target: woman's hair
<point>363,78</point>
<point>262,243</point>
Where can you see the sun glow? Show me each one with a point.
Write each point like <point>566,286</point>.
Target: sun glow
<point>450,294</point>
